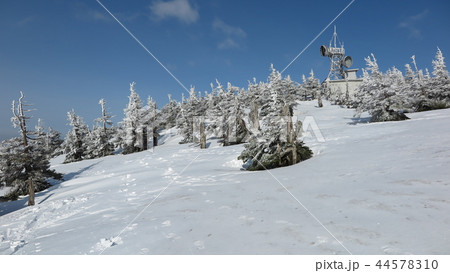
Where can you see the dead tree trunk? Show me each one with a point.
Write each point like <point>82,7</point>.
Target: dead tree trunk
<point>319,98</point>
<point>155,137</point>
<point>254,117</point>
<point>202,136</point>
<point>290,135</point>
<point>19,120</point>
<point>144,138</point>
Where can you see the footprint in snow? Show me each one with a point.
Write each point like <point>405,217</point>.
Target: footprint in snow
<point>128,178</point>
<point>320,240</point>
<point>166,223</point>
<point>172,236</point>
<point>199,245</point>
<point>38,247</point>
<point>107,243</point>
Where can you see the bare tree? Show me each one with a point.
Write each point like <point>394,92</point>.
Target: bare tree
<point>19,120</point>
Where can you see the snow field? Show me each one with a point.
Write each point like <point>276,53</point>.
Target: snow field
<point>379,188</point>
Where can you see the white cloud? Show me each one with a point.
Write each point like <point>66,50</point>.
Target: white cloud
<point>410,24</point>
<point>227,29</point>
<point>232,34</point>
<point>227,43</point>
<point>180,9</point>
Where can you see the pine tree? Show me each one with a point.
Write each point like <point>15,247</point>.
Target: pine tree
<point>150,123</point>
<point>440,83</point>
<point>167,117</point>
<point>190,108</point>
<point>50,141</point>
<point>312,86</point>
<point>76,141</point>
<point>100,139</point>
<point>225,115</point>
<point>25,161</point>
<point>276,145</point>
<point>381,95</point>
<point>132,124</point>
<point>54,143</point>
<point>414,89</point>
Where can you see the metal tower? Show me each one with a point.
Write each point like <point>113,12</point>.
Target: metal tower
<point>338,60</point>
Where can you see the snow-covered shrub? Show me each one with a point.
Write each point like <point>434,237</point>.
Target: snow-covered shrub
<point>276,143</point>
<point>260,154</point>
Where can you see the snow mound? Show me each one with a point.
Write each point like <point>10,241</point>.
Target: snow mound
<point>235,163</point>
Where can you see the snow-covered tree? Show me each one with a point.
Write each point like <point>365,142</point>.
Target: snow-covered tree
<point>132,124</point>
<point>76,141</point>
<point>381,95</point>
<point>167,117</point>
<point>414,89</point>
<point>54,143</point>
<point>225,115</point>
<point>25,161</point>
<point>276,145</point>
<point>278,88</point>
<point>100,138</point>
<point>150,123</point>
<point>50,141</point>
<point>440,83</point>
<point>189,109</point>
<point>312,86</point>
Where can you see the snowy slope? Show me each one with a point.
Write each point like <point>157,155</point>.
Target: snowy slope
<point>377,188</point>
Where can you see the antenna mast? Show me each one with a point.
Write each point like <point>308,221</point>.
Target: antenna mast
<point>337,58</point>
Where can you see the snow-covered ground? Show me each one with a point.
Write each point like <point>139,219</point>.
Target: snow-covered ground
<point>380,188</point>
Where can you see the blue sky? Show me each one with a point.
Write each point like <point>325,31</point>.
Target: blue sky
<point>68,54</point>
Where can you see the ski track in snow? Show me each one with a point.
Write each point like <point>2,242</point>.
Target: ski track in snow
<point>379,188</point>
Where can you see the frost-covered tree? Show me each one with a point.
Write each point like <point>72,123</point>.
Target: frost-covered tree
<point>311,86</point>
<point>428,92</point>
<point>276,144</point>
<point>414,89</point>
<point>150,123</point>
<point>380,94</point>
<point>133,123</point>
<point>76,141</point>
<point>100,142</point>
<point>50,141</point>
<point>225,115</point>
<point>279,88</point>
<point>12,168</point>
<point>167,117</point>
<point>291,90</point>
<point>54,143</point>
<point>440,84</point>
<point>189,109</point>
<point>25,161</point>
<point>387,96</point>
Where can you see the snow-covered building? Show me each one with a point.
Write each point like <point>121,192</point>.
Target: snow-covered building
<point>349,83</point>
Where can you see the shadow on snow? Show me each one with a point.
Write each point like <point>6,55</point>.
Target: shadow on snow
<point>11,206</point>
